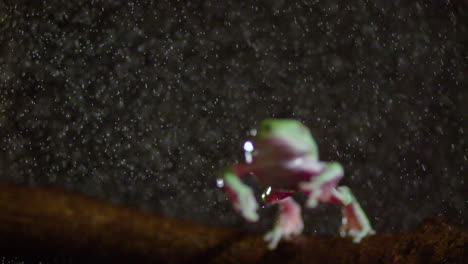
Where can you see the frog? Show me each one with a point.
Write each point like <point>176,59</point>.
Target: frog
<point>283,157</point>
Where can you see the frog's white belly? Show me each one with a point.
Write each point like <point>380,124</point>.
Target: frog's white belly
<point>286,174</point>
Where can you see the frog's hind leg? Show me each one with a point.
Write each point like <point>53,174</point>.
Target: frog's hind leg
<point>289,222</point>
<point>355,222</point>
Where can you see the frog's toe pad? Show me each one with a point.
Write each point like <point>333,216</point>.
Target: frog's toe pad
<point>273,237</point>
<point>360,235</point>
<point>357,235</point>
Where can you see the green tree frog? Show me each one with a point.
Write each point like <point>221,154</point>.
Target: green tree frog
<point>283,156</point>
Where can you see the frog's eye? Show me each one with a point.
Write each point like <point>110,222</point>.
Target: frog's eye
<point>266,128</point>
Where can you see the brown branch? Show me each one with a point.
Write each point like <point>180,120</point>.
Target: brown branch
<point>44,222</point>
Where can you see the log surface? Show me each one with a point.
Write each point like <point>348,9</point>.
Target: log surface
<point>44,222</point>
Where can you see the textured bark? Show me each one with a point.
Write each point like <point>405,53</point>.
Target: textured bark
<point>45,222</point>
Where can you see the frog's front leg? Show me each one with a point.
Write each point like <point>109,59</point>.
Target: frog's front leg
<point>355,222</point>
<point>320,184</point>
<point>289,222</point>
<point>240,194</point>
<point>322,188</point>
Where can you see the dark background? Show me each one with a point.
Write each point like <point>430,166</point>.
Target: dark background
<point>143,103</point>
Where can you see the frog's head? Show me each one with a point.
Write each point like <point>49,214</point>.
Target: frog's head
<point>288,133</point>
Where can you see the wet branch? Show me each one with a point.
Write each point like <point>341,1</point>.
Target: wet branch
<point>41,222</point>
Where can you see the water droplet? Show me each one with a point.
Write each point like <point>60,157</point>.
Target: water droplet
<point>220,182</point>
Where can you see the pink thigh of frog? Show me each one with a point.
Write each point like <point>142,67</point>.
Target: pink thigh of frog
<point>325,189</point>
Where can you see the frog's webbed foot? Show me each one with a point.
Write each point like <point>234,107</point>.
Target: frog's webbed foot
<point>354,223</point>
<point>288,225</point>
<point>241,195</point>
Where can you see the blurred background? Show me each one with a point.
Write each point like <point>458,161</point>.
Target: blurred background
<point>142,103</point>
